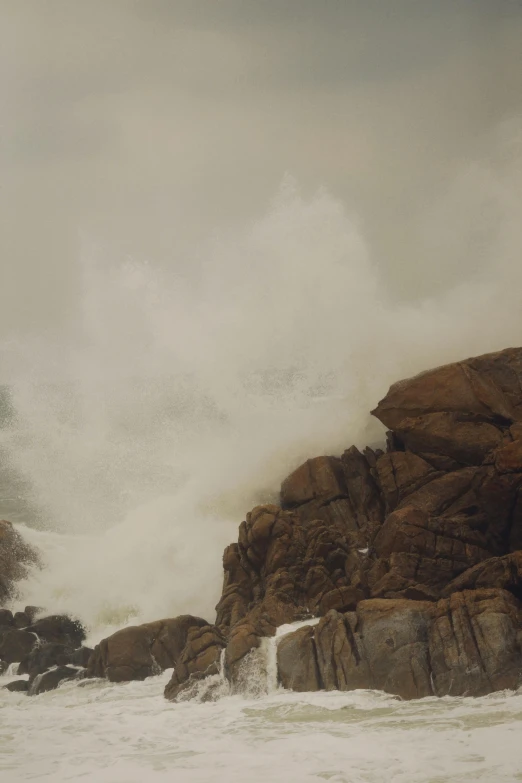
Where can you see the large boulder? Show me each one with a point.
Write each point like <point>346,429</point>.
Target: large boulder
<point>400,474</point>
<point>16,556</point>
<point>468,644</point>
<point>140,651</point>
<point>418,554</point>
<point>486,388</point>
<point>475,643</point>
<point>502,572</point>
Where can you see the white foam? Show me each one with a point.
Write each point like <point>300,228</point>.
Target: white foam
<point>129,733</point>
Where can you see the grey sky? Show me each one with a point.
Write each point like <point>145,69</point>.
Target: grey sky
<point>147,125</point>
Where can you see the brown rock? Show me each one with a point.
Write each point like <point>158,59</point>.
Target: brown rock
<point>418,555</point>
<point>140,651</point>
<point>200,659</point>
<point>297,661</point>
<point>43,657</point>
<point>321,477</point>
<point>283,568</point>
<point>475,643</point>
<point>341,491</point>
<point>383,645</point>
<point>508,458</point>
<point>486,388</point>
<point>402,473</point>
<point>469,644</point>
<point>500,572</point>
<point>16,644</point>
<point>449,440</point>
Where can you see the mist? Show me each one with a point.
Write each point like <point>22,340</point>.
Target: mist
<point>148,127</point>
<point>228,227</point>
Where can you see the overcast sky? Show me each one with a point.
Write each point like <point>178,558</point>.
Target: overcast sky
<point>148,125</point>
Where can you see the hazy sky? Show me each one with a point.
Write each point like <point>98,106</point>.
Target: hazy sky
<point>148,125</point>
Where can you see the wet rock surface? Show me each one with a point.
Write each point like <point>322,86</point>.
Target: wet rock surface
<point>467,645</point>
<point>411,557</point>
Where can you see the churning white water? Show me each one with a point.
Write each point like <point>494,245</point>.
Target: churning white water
<point>129,734</point>
<point>143,435</point>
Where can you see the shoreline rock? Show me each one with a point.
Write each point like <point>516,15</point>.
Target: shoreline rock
<point>411,557</point>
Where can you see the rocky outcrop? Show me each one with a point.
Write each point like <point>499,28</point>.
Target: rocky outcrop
<point>436,514</point>
<point>284,568</point>
<point>501,572</point>
<point>16,556</point>
<point>140,651</point>
<point>50,642</point>
<point>482,389</point>
<point>468,644</point>
<point>419,554</point>
<point>342,492</point>
<point>411,557</point>
<point>199,659</point>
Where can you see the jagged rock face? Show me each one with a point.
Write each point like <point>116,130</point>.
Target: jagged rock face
<point>482,389</point>
<point>200,658</point>
<point>342,492</point>
<point>468,644</point>
<point>15,558</point>
<point>501,572</point>
<point>283,568</point>
<point>140,651</point>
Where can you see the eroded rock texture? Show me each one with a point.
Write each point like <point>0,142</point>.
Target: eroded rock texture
<point>437,514</point>
<point>283,568</point>
<point>468,644</point>
<point>140,651</point>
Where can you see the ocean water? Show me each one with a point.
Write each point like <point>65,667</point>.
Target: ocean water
<point>129,734</point>
<point>133,444</point>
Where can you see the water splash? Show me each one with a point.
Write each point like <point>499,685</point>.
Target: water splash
<point>176,403</point>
